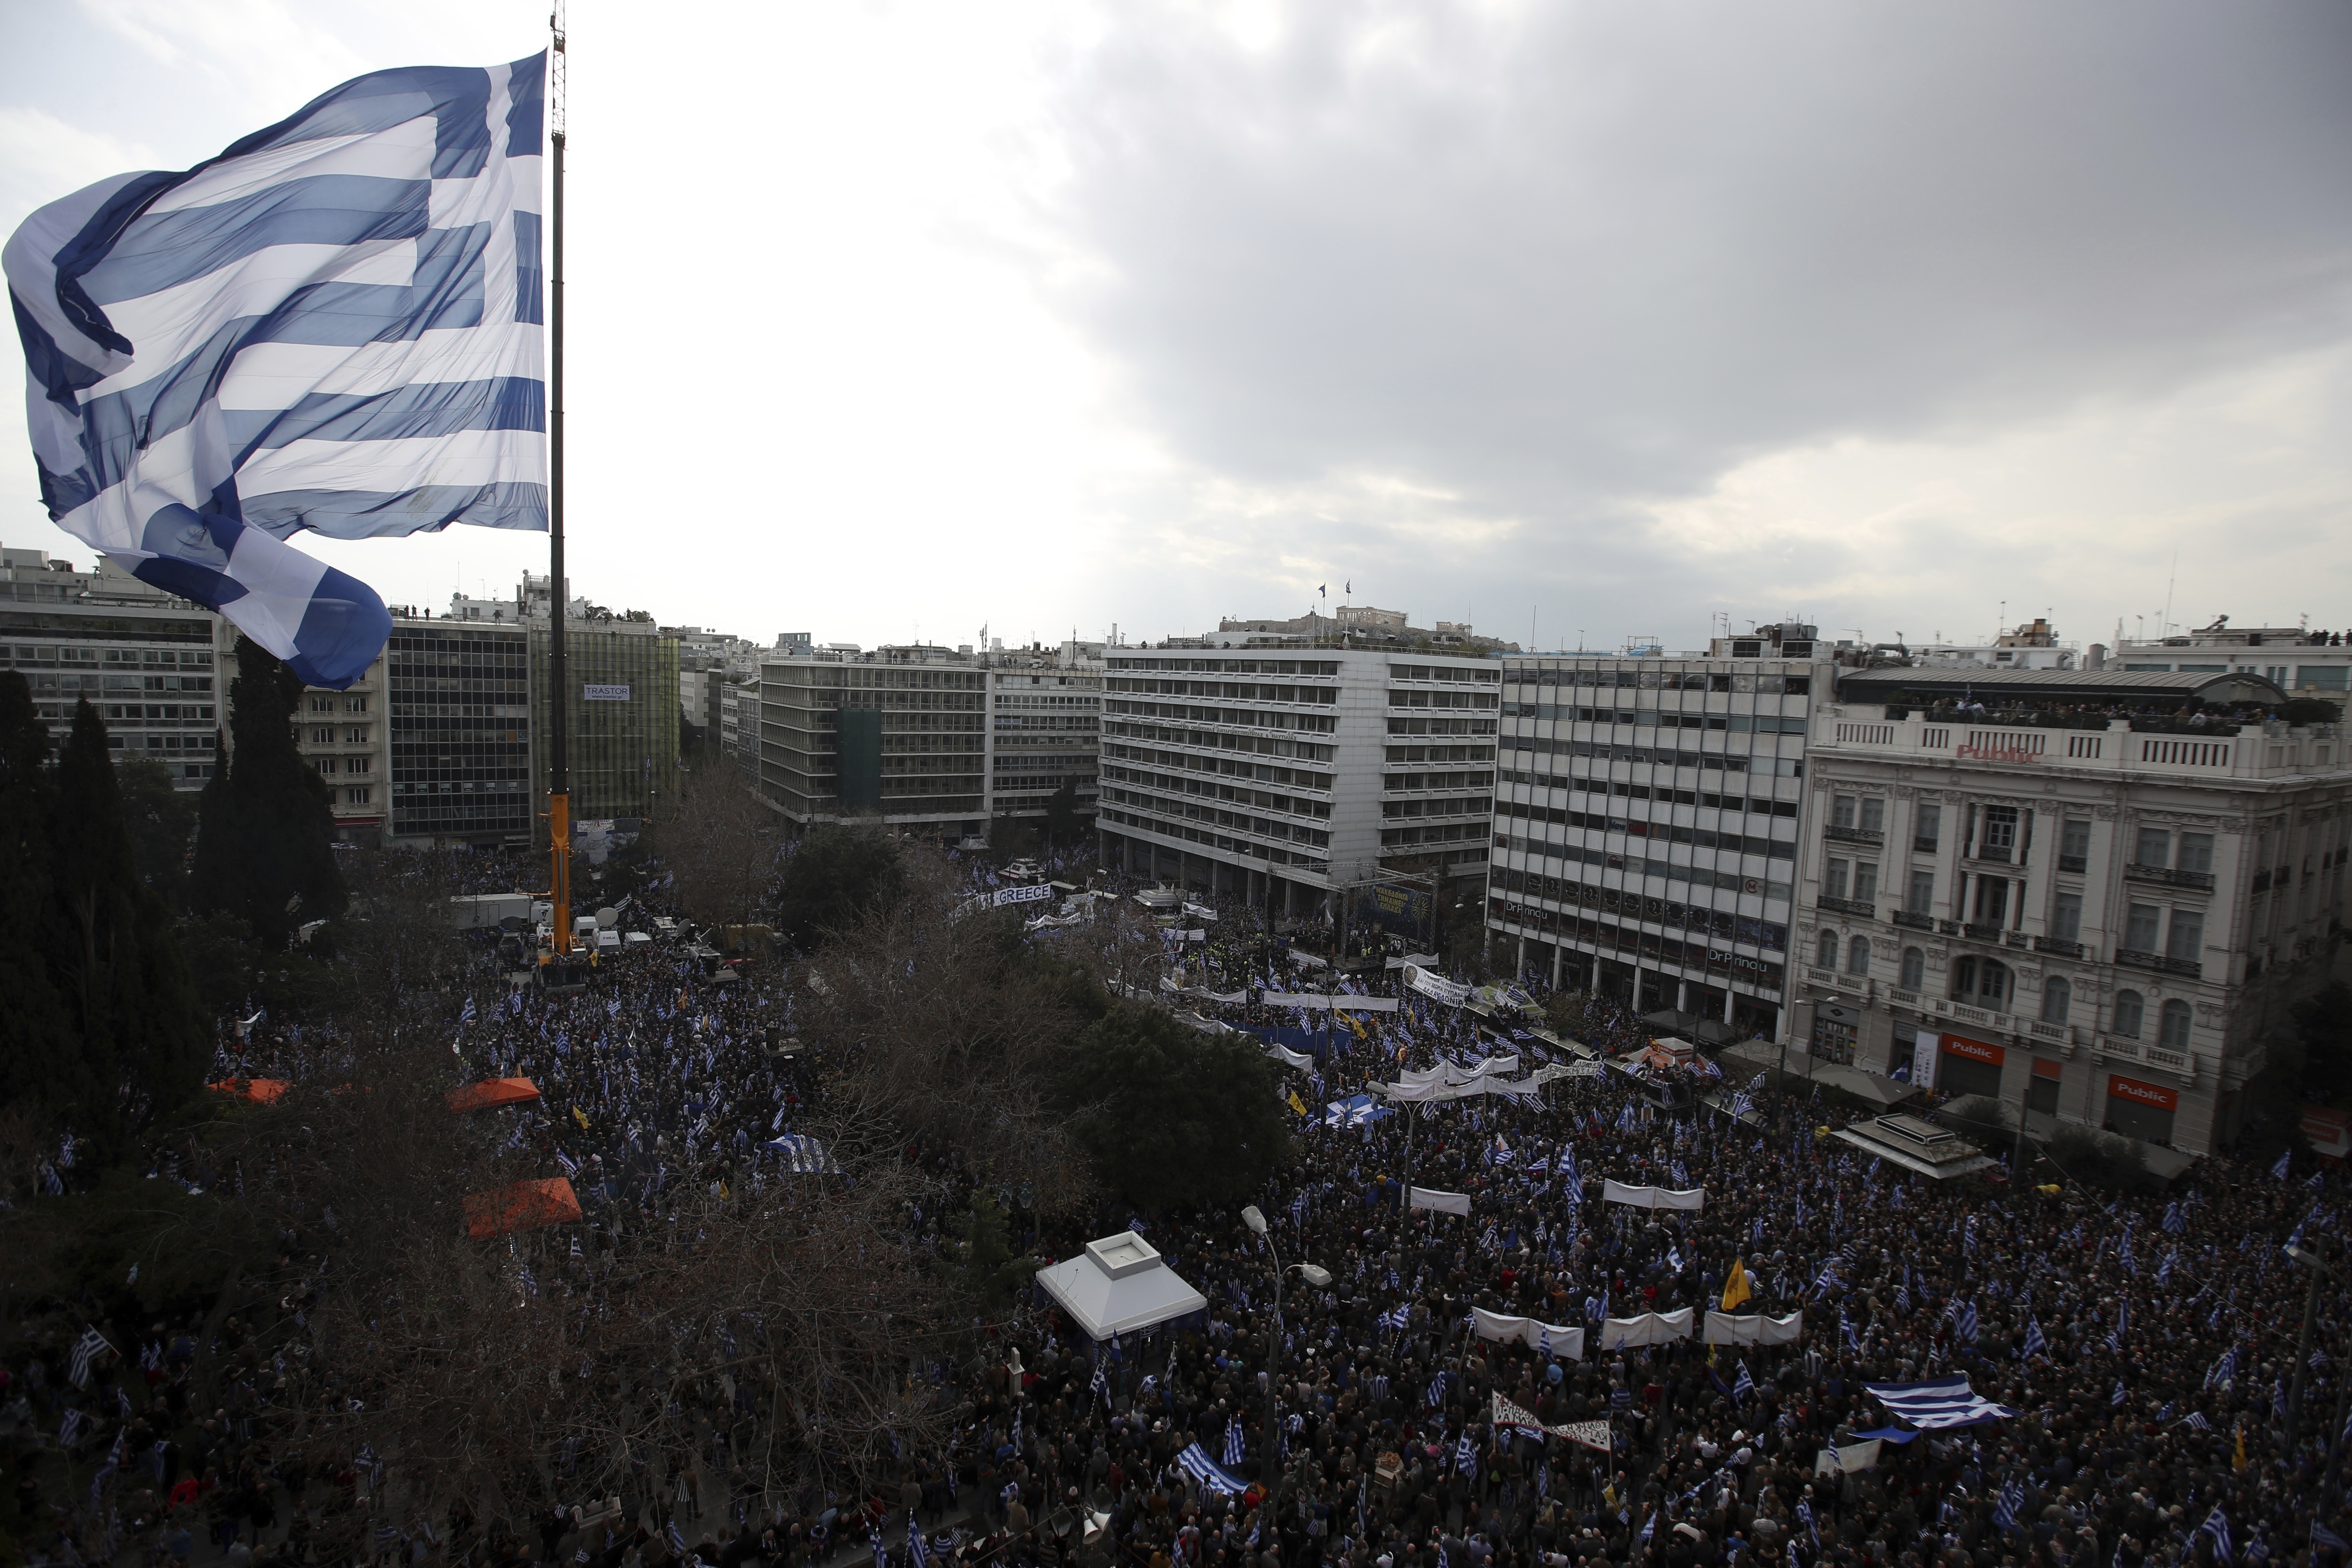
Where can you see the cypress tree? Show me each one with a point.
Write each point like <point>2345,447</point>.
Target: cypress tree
<point>114,959</point>
<point>266,827</point>
<point>38,1062</point>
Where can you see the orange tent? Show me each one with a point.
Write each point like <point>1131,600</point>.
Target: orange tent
<point>526,1206</point>
<point>260,1090</point>
<point>493,1091</point>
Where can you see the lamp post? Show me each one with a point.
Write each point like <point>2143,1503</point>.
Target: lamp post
<point>2309,1256</point>
<point>1316,1276</point>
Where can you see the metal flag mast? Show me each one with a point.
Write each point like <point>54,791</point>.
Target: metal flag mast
<point>559,789</point>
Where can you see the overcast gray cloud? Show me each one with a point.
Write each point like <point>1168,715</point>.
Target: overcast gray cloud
<point>1557,264</point>
<point>900,318</point>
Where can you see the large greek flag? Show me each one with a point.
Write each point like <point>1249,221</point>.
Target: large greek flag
<point>333,325</point>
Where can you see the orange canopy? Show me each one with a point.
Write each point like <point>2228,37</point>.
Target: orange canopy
<point>526,1206</point>
<point>260,1090</point>
<point>493,1092</point>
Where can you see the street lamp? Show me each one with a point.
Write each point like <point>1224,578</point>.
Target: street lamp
<point>1315,1274</point>
<point>2309,1256</point>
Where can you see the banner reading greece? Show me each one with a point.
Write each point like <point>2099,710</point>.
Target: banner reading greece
<point>334,325</point>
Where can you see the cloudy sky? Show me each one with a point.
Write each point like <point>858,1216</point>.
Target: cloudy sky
<point>892,320</point>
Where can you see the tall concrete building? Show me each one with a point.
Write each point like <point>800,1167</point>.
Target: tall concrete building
<point>461,729</point>
<point>1646,813</point>
<point>1265,763</point>
<point>2062,890</point>
<point>899,733</point>
<point>149,663</point>
<point>1044,716</point>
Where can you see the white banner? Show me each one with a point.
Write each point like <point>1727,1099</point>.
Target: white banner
<point>1289,1058</point>
<point>1443,1203</point>
<point>1590,1434</point>
<point>1923,1059</point>
<point>1723,1329</point>
<point>1022,895</point>
<point>1317,999</point>
<point>1649,1328</point>
<point>1616,1192</point>
<point>1846,1460</point>
<point>1529,1331</point>
<point>1451,993</point>
<point>1412,960</point>
<point>1583,1067</point>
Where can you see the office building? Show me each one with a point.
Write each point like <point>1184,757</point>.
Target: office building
<point>900,734</point>
<point>149,663</point>
<point>1255,763</point>
<point>621,714</point>
<point>461,729</point>
<point>346,737</point>
<point>1044,716</point>
<point>1646,816</point>
<point>2070,891</point>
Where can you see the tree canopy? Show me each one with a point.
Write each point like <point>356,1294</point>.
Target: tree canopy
<point>264,834</point>
<point>835,877</point>
<point>1172,1115</point>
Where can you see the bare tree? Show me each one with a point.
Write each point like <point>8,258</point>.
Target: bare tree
<point>719,840</point>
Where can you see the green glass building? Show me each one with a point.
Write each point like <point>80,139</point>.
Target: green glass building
<point>621,712</point>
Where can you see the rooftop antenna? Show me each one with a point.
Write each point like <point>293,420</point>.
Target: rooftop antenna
<point>2166,630</point>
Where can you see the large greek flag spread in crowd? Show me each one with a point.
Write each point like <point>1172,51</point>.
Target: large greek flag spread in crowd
<point>333,325</point>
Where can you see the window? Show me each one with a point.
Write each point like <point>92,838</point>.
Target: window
<point>2140,927</point>
<point>360,796</point>
<point>1982,981</point>
<point>1873,815</point>
<point>1999,839</point>
<point>2172,1028</point>
<point>2042,1095</point>
<point>2187,939</point>
<point>1921,897</point>
<point>1992,900</point>
<point>2128,1006</point>
<point>1865,880</point>
<point>1915,970</point>
<point>1857,957</point>
<point>1928,828</point>
<point>2197,853</point>
<point>1825,957</point>
<point>1842,811</point>
<point>2153,847</point>
<point>2075,844</point>
<point>327,766</point>
<point>2066,916</point>
<point>2057,996</point>
<point>1834,877</point>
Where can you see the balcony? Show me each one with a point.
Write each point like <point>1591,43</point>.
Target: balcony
<point>2133,958</point>
<point>1917,923</point>
<point>2077,864</point>
<point>2058,945</point>
<point>2165,876</point>
<point>1854,835</point>
<point>2181,1063</point>
<point>1975,931</point>
<point>1863,907</point>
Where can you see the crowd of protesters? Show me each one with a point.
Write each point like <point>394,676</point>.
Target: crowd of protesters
<point>2141,1348</point>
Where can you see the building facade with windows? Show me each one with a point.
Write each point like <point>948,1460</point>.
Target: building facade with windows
<point>2072,892</point>
<point>1044,716</point>
<point>346,737</point>
<point>460,728</point>
<point>621,715</point>
<point>1284,771</point>
<point>149,663</point>
<point>1646,817</point>
<point>900,733</point>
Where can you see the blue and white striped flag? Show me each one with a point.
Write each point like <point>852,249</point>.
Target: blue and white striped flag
<point>2012,1497</point>
<point>1743,1385</point>
<point>2217,1527</point>
<point>333,325</point>
<point>918,1555</point>
<point>1233,1453</point>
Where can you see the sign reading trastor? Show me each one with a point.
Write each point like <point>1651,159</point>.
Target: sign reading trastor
<point>604,693</point>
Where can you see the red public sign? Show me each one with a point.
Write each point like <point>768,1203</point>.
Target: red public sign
<point>1975,1050</point>
<point>2145,1094</point>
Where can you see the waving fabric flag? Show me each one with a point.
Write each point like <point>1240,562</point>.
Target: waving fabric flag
<point>334,325</point>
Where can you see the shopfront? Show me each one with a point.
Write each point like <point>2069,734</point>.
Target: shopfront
<point>1969,1067</point>
<point>2141,1111</point>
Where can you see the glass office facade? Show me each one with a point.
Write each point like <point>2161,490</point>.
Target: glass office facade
<point>460,696</point>
<point>621,713</point>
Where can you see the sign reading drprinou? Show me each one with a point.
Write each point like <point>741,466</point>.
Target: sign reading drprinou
<point>604,693</point>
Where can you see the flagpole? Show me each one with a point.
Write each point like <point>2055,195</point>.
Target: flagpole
<point>559,795</point>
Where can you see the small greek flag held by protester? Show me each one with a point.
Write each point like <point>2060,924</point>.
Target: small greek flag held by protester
<point>2034,1343</point>
<point>2012,1497</point>
<point>1743,1385</point>
<point>2285,1163</point>
<point>2216,1527</point>
<point>86,1349</point>
<point>1234,1455</point>
<point>1099,1385</point>
<point>918,1555</point>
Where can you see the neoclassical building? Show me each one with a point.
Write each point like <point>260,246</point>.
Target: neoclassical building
<point>2090,895</point>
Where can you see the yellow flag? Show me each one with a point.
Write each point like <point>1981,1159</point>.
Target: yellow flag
<point>1297,1104</point>
<point>2239,1462</point>
<point>1735,1286</point>
<point>581,1117</point>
